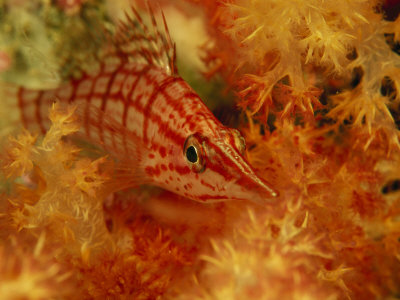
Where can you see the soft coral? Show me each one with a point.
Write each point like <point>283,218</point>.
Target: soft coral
<point>275,40</point>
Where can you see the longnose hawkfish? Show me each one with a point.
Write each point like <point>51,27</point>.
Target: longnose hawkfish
<point>140,111</point>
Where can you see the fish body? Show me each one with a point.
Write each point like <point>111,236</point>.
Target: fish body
<point>147,116</point>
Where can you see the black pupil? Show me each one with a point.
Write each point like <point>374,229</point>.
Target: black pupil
<point>191,154</point>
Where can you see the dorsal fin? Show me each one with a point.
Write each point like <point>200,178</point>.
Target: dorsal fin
<point>135,41</point>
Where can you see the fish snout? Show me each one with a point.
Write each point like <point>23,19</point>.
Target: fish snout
<point>256,189</point>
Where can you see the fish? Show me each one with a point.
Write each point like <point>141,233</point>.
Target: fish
<point>139,110</point>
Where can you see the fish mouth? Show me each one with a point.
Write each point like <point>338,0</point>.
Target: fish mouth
<point>254,198</point>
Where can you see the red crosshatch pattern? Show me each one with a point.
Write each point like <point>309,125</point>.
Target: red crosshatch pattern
<point>126,96</point>
<point>140,111</point>
<point>141,103</point>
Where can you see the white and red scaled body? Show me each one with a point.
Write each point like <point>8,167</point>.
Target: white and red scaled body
<point>141,112</point>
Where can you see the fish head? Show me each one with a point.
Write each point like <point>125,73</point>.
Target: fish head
<point>219,170</point>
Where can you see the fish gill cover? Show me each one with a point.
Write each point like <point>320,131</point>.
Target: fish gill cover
<point>316,85</point>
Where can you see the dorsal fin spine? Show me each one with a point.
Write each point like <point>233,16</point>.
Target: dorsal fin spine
<point>135,40</point>
<point>170,43</point>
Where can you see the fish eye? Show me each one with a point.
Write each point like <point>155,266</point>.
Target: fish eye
<point>194,153</point>
<point>239,140</point>
<point>191,154</point>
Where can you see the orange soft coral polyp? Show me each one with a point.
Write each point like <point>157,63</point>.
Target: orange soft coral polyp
<point>327,141</point>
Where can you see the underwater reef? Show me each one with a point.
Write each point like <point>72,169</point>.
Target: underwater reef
<point>313,86</point>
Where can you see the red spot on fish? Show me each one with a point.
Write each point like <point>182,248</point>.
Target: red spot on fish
<point>154,172</point>
<point>207,185</point>
<point>151,155</point>
<point>163,151</point>
<point>171,166</point>
<point>170,178</point>
<point>171,116</point>
<point>164,167</point>
<point>188,186</point>
<point>182,170</point>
